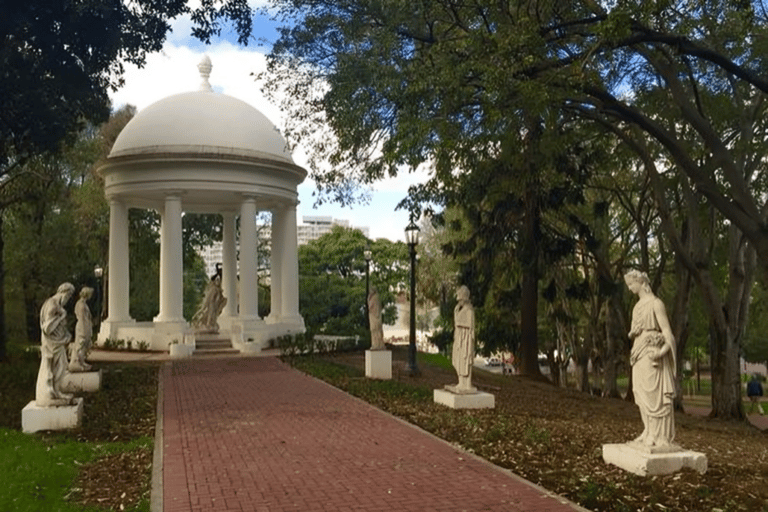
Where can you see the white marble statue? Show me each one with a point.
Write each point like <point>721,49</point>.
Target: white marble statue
<point>205,319</point>
<point>83,333</point>
<point>653,365</point>
<point>463,354</point>
<point>374,317</point>
<point>54,339</point>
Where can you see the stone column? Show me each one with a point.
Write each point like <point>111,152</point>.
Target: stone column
<point>118,296</point>
<point>276,267</point>
<point>171,262</point>
<point>229,265</point>
<point>290,268</point>
<point>249,296</point>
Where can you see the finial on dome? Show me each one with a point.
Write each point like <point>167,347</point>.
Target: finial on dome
<point>205,72</point>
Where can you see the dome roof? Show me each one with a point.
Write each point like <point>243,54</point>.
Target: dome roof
<point>201,123</point>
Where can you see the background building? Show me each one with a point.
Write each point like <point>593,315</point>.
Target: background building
<point>314,227</point>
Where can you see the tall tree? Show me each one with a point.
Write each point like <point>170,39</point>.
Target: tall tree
<point>444,81</point>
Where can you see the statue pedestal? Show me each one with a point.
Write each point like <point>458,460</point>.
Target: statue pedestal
<point>644,462</point>
<point>477,400</point>
<point>378,364</point>
<point>179,350</point>
<point>75,382</point>
<point>59,417</point>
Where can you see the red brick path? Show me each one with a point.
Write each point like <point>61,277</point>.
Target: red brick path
<point>251,434</point>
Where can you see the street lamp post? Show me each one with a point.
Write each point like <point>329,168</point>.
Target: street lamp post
<point>367,254</point>
<point>412,239</point>
<point>98,272</point>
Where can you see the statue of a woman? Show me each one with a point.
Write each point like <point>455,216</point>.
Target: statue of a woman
<point>463,353</point>
<point>83,332</point>
<point>374,318</point>
<point>205,319</point>
<point>653,364</point>
<point>54,339</point>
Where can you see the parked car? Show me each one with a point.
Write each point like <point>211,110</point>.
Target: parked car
<point>493,361</point>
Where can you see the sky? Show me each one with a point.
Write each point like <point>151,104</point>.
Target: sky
<point>174,70</point>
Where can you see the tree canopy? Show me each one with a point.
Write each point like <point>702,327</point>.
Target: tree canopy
<point>456,83</point>
<point>332,280</point>
<point>466,87</point>
<point>58,61</point>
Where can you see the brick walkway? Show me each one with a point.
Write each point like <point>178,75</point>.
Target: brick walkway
<point>251,434</point>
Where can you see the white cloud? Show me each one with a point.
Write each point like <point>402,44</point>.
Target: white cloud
<point>174,70</point>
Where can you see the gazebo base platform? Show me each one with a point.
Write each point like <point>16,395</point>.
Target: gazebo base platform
<point>247,337</point>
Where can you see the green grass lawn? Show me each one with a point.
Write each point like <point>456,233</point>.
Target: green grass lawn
<point>40,471</point>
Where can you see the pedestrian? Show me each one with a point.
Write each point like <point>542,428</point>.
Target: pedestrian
<point>754,392</point>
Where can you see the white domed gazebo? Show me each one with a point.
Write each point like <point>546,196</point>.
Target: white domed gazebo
<point>204,152</point>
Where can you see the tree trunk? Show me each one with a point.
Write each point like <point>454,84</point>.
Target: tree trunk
<point>529,342</point>
<point>30,310</point>
<point>726,377</point>
<point>554,367</point>
<point>582,371</point>
<point>529,307</point>
<point>614,339</point>
<point>566,338</point>
<point>680,326</point>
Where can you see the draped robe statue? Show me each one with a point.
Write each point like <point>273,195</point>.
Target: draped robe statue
<point>206,317</point>
<point>653,365</point>
<point>463,353</point>
<point>83,333</point>
<point>54,339</point>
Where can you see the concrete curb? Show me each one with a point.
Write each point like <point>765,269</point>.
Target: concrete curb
<point>156,495</point>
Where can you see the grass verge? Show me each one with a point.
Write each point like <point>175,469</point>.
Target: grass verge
<point>103,465</point>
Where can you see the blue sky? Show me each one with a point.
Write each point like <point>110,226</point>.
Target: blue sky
<point>174,70</point>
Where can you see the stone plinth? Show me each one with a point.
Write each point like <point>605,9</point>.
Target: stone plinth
<point>644,462</point>
<point>378,364</point>
<point>76,382</point>
<point>179,350</point>
<point>477,400</point>
<point>61,417</point>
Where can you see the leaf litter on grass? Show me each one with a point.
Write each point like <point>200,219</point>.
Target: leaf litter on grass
<point>554,436</point>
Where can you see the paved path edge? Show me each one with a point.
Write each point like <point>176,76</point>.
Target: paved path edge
<point>561,499</point>
<point>156,493</point>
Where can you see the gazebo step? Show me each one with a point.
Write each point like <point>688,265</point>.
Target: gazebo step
<point>213,344</point>
<point>215,351</point>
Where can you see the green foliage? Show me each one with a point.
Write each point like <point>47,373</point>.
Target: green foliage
<point>442,339</point>
<point>490,96</point>
<point>309,344</point>
<point>129,344</point>
<point>438,360</point>
<point>755,346</point>
<point>60,59</point>
<point>332,280</point>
